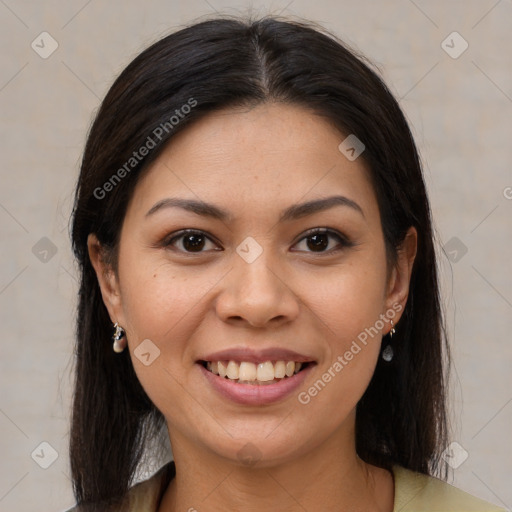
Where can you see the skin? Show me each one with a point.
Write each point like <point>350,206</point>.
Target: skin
<point>255,162</point>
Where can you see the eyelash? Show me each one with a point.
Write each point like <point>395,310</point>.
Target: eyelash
<point>344,242</point>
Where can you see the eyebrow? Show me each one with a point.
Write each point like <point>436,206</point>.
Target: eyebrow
<point>293,212</point>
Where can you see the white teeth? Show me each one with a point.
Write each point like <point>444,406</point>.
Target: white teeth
<point>221,368</point>
<point>249,373</point>
<point>279,369</point>
<point>265,371</point>
<point>232,370</point>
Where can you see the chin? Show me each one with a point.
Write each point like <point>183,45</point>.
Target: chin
<point>257,449</point>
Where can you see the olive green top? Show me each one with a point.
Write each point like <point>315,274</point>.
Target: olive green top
<point>414,492</point>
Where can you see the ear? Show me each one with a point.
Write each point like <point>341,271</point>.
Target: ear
<point>399,280</point>
<point>107,279</point>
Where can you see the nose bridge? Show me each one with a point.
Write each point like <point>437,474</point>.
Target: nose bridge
<point>255,290</point>
<point>260,275</point>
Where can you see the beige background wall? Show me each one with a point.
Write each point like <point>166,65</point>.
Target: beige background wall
<point>461,112</point>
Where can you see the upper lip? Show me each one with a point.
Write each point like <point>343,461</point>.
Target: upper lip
<point>240,354</point>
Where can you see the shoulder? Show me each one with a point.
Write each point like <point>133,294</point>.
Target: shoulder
<point>416,492</point>
<point>143,496</point>
<point>146,495</point>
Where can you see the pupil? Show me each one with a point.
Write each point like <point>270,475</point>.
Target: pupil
<point>193,242</point>
<point>319,241</point>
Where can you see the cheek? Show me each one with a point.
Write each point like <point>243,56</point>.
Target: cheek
<point>351,299</point>
<point>159,299</point>
<point>350,306</point>
<point>167,307</point>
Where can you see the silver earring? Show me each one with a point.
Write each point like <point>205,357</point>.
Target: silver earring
<point>118,336</point>
<point>387,353</point>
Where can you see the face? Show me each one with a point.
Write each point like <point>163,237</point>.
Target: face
<point>259,282</point>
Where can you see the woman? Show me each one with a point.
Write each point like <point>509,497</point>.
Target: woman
<point>252,225</point>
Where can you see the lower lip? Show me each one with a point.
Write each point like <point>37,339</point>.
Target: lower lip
<point>254,394</point>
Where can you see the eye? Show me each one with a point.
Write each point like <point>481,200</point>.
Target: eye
<point>190,241</point>
<point>317,240</point>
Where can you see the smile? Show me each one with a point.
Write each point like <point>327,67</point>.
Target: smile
<point>255,383</point>
<point>246,372</point>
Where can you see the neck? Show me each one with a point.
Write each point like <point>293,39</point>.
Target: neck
<point>330,477</point>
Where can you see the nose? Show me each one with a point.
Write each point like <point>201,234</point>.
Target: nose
<point>256,294</point>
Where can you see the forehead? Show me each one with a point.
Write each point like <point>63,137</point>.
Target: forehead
<point>266,155</point>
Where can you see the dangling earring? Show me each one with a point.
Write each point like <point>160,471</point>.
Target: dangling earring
<point>387,353</point>
<point>392,330</point>
<point>119,345</point>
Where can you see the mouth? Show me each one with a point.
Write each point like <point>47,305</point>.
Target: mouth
<point>255,377</point>
<point>252,373</point>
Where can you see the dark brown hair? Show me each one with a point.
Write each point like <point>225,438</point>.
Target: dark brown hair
<point>401,419</point>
